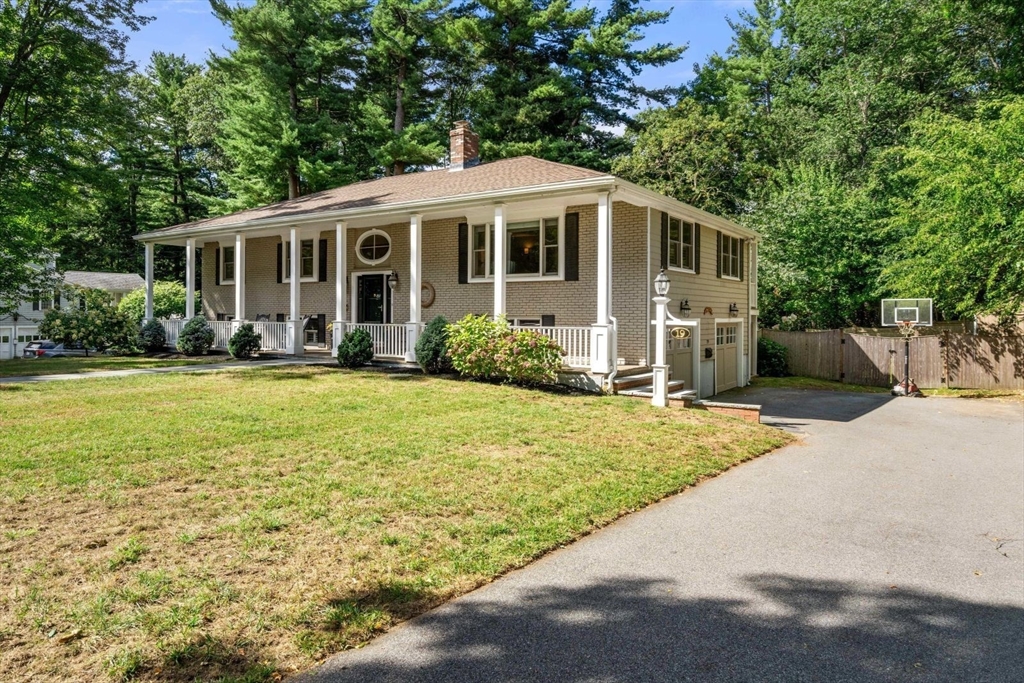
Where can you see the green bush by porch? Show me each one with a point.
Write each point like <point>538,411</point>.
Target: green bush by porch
<point>196,337</point>
<point>246,523</point>
<point>245,342</point>
<point>355,349</point>
<point>482,348</point>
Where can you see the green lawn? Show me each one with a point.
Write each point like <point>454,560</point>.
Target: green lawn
<point>19,367</point>
<point>249,523</point>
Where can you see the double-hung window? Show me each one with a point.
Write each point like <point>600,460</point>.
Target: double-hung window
<point>307,260</point>
<point>533,249</point>
<point>680,244</point>
<point>228,266</point>
<point>730,257</point>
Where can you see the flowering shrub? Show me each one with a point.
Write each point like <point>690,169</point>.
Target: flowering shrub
<point>490,349</point>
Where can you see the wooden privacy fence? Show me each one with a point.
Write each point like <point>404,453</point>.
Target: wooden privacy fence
<point>962,361</point>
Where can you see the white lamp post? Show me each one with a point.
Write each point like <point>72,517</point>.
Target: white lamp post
<point>660,368</point>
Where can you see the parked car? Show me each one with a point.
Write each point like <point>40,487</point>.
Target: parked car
<point>49,349</point>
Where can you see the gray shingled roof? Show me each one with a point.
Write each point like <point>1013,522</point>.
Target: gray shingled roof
<point>112,282</point>
<point>506,174</point>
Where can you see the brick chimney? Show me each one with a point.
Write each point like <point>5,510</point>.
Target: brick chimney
<point>465,146</point>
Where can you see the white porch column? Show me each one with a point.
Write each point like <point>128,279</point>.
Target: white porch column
<point>190,279</point>
<point>602,332</point>
<point>239,280</point>
<point>149,281</point>
<point>295,340</point>
<point>340,280</point>
<point>412,328</point>
<point>500,266</point>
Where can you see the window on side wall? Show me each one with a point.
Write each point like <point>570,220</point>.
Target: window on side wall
<point>680,244</point>
<point>730,257</point>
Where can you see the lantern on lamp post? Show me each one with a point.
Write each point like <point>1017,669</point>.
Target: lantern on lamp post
<point>659,371</point>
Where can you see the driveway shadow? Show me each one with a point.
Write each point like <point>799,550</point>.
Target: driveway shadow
<point>809,404</point>
<point>790,629</point>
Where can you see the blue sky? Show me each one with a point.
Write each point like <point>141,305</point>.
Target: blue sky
<point>188,27</point>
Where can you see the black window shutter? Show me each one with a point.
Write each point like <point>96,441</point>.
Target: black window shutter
<point>216,267</point>
<point>718,234</point>
<point>696,248</point>
<point>547,321</point>
<point>664,240</point>
<point>281,318</point>
<point>323,263</point>
<point>56,299</point>
<point>463,253</point>
<point>321,328</point>
<point>743,246</point>
<point>572,247</point>
<point>35,305</point>
<point>280,266</point>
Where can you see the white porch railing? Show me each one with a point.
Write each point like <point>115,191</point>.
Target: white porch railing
<point>221,333</point>
<point>274,335</point>
<point>388,338</point>
<point>575,341</point>
<point>172,328</point>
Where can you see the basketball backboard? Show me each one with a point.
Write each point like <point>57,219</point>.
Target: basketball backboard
<point>915,311</point>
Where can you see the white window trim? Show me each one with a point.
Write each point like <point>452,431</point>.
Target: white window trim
<point>286,254</point>
<point>373,262</point>
<point>693,245</point>
<point>518,277</point>
<point>223,260</point>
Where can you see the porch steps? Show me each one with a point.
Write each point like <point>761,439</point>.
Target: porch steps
<point>641,379</point>
<point>677,394</point>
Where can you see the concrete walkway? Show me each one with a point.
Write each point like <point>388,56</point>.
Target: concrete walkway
<point>885,546</point>
<point>206,367</point>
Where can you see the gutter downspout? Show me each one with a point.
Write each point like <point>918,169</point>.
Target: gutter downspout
<point>610,378</point>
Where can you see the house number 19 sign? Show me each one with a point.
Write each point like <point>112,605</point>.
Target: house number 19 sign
<point>680,332</point>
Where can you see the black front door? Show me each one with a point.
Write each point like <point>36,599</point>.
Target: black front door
<point>373,297</point>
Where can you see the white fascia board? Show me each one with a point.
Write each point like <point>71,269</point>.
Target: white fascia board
<point>404,208</point>
<point>660,202</point>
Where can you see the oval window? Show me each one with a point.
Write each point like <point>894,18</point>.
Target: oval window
<point>373,247</point>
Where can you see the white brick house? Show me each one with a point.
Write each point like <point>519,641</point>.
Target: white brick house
<point>580,251</point>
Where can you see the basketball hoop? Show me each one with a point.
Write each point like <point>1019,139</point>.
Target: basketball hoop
<point>906,315</point>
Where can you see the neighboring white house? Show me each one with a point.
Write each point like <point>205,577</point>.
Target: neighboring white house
<point>22,326</point>
<point>578,252</point>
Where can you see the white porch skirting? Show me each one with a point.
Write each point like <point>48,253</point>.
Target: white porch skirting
<point>575,341</point>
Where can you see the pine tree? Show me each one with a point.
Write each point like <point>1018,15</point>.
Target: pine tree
<point>287,101</point>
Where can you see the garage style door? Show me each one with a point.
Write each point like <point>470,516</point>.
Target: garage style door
<point>726,361</point>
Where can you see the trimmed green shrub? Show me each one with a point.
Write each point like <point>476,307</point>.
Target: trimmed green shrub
<point>432,347</point>
<point>490,349</point>
<point>772,358</point>
<point>196,337</point>
<point>153,337</point>
<point>245,342</point>
<point>355,349</point>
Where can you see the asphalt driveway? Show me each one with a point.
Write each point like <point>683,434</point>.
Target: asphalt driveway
<point>885,546</point>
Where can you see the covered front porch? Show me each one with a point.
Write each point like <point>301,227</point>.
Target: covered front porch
<point>387,296</point>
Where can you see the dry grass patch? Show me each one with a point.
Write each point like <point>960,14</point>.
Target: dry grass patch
<point>243,525</point>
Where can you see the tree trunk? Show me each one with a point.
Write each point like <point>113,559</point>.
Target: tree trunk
<point>399,167</point>
<point>293,171</point>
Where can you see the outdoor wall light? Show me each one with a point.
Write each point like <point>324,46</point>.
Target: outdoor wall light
<point>393,280</point>
<point>684,308</point>
<point>733,308</point>
<point>661,283</point>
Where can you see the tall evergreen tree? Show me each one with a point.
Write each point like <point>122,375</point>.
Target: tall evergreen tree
<point>287,98</point>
